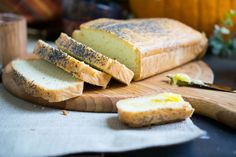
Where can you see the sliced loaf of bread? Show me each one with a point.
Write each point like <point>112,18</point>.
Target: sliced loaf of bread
<point>42,79</point>
<point>146,46</point>
<point>95,59</point>
<point>77,68</point>
<point>159,109</point>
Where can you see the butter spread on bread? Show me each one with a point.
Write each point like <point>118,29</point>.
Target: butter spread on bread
<point>95,59</point>
<point>78,69</point>
<point>146,46</point>
<point>42,79</point>
<point>159,109</point>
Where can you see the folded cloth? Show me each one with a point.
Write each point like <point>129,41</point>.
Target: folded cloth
<point>27,129</point>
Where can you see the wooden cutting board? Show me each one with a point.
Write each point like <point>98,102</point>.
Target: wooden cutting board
<point>220,106</point>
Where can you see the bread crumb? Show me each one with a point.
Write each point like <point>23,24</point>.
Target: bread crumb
<point>64,112</point>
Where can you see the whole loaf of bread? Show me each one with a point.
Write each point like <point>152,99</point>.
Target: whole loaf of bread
<point>146,46</point>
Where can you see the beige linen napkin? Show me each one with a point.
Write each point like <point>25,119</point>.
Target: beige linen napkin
<point>27,129</point>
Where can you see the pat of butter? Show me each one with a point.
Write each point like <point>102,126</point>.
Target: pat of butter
<point>180,77</point>
<point>183,79</point>
<point>167,98</point>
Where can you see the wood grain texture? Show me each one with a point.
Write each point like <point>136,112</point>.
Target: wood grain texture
<point>220,106</point>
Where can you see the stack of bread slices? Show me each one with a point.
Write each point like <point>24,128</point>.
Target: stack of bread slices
<point>60,73</point>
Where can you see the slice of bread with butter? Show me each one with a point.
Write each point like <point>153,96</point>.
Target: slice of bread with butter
<point>149,110</point>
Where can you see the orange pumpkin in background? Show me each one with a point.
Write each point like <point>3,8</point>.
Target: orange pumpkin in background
<point>200,14</point>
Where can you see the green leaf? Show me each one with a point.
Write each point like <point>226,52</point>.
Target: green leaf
<point>216,46</point>
<point>228,22</point>
<point>225,30</point>
<point>217,43</point>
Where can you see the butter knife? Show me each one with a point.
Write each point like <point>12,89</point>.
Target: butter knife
<point>184,80</point>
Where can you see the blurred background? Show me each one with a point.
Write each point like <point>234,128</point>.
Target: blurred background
<point>47,18</point>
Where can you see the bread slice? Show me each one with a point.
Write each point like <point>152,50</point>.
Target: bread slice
<point>42,79</point>
<point>77,68</point>
<point>159,109</point>
<point>95,59</point>
<point>146,46</point>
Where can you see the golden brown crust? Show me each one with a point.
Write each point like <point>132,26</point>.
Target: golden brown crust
<point>50,95</point>
<point>155,38</point>
<point>170,59</point>
<point>120,72</point>
<point>77,68</point>
<point>149,35</point>
<point>95,59</point>
<point>158,116</point>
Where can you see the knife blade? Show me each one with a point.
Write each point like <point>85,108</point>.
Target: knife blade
<point>199,84</point>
